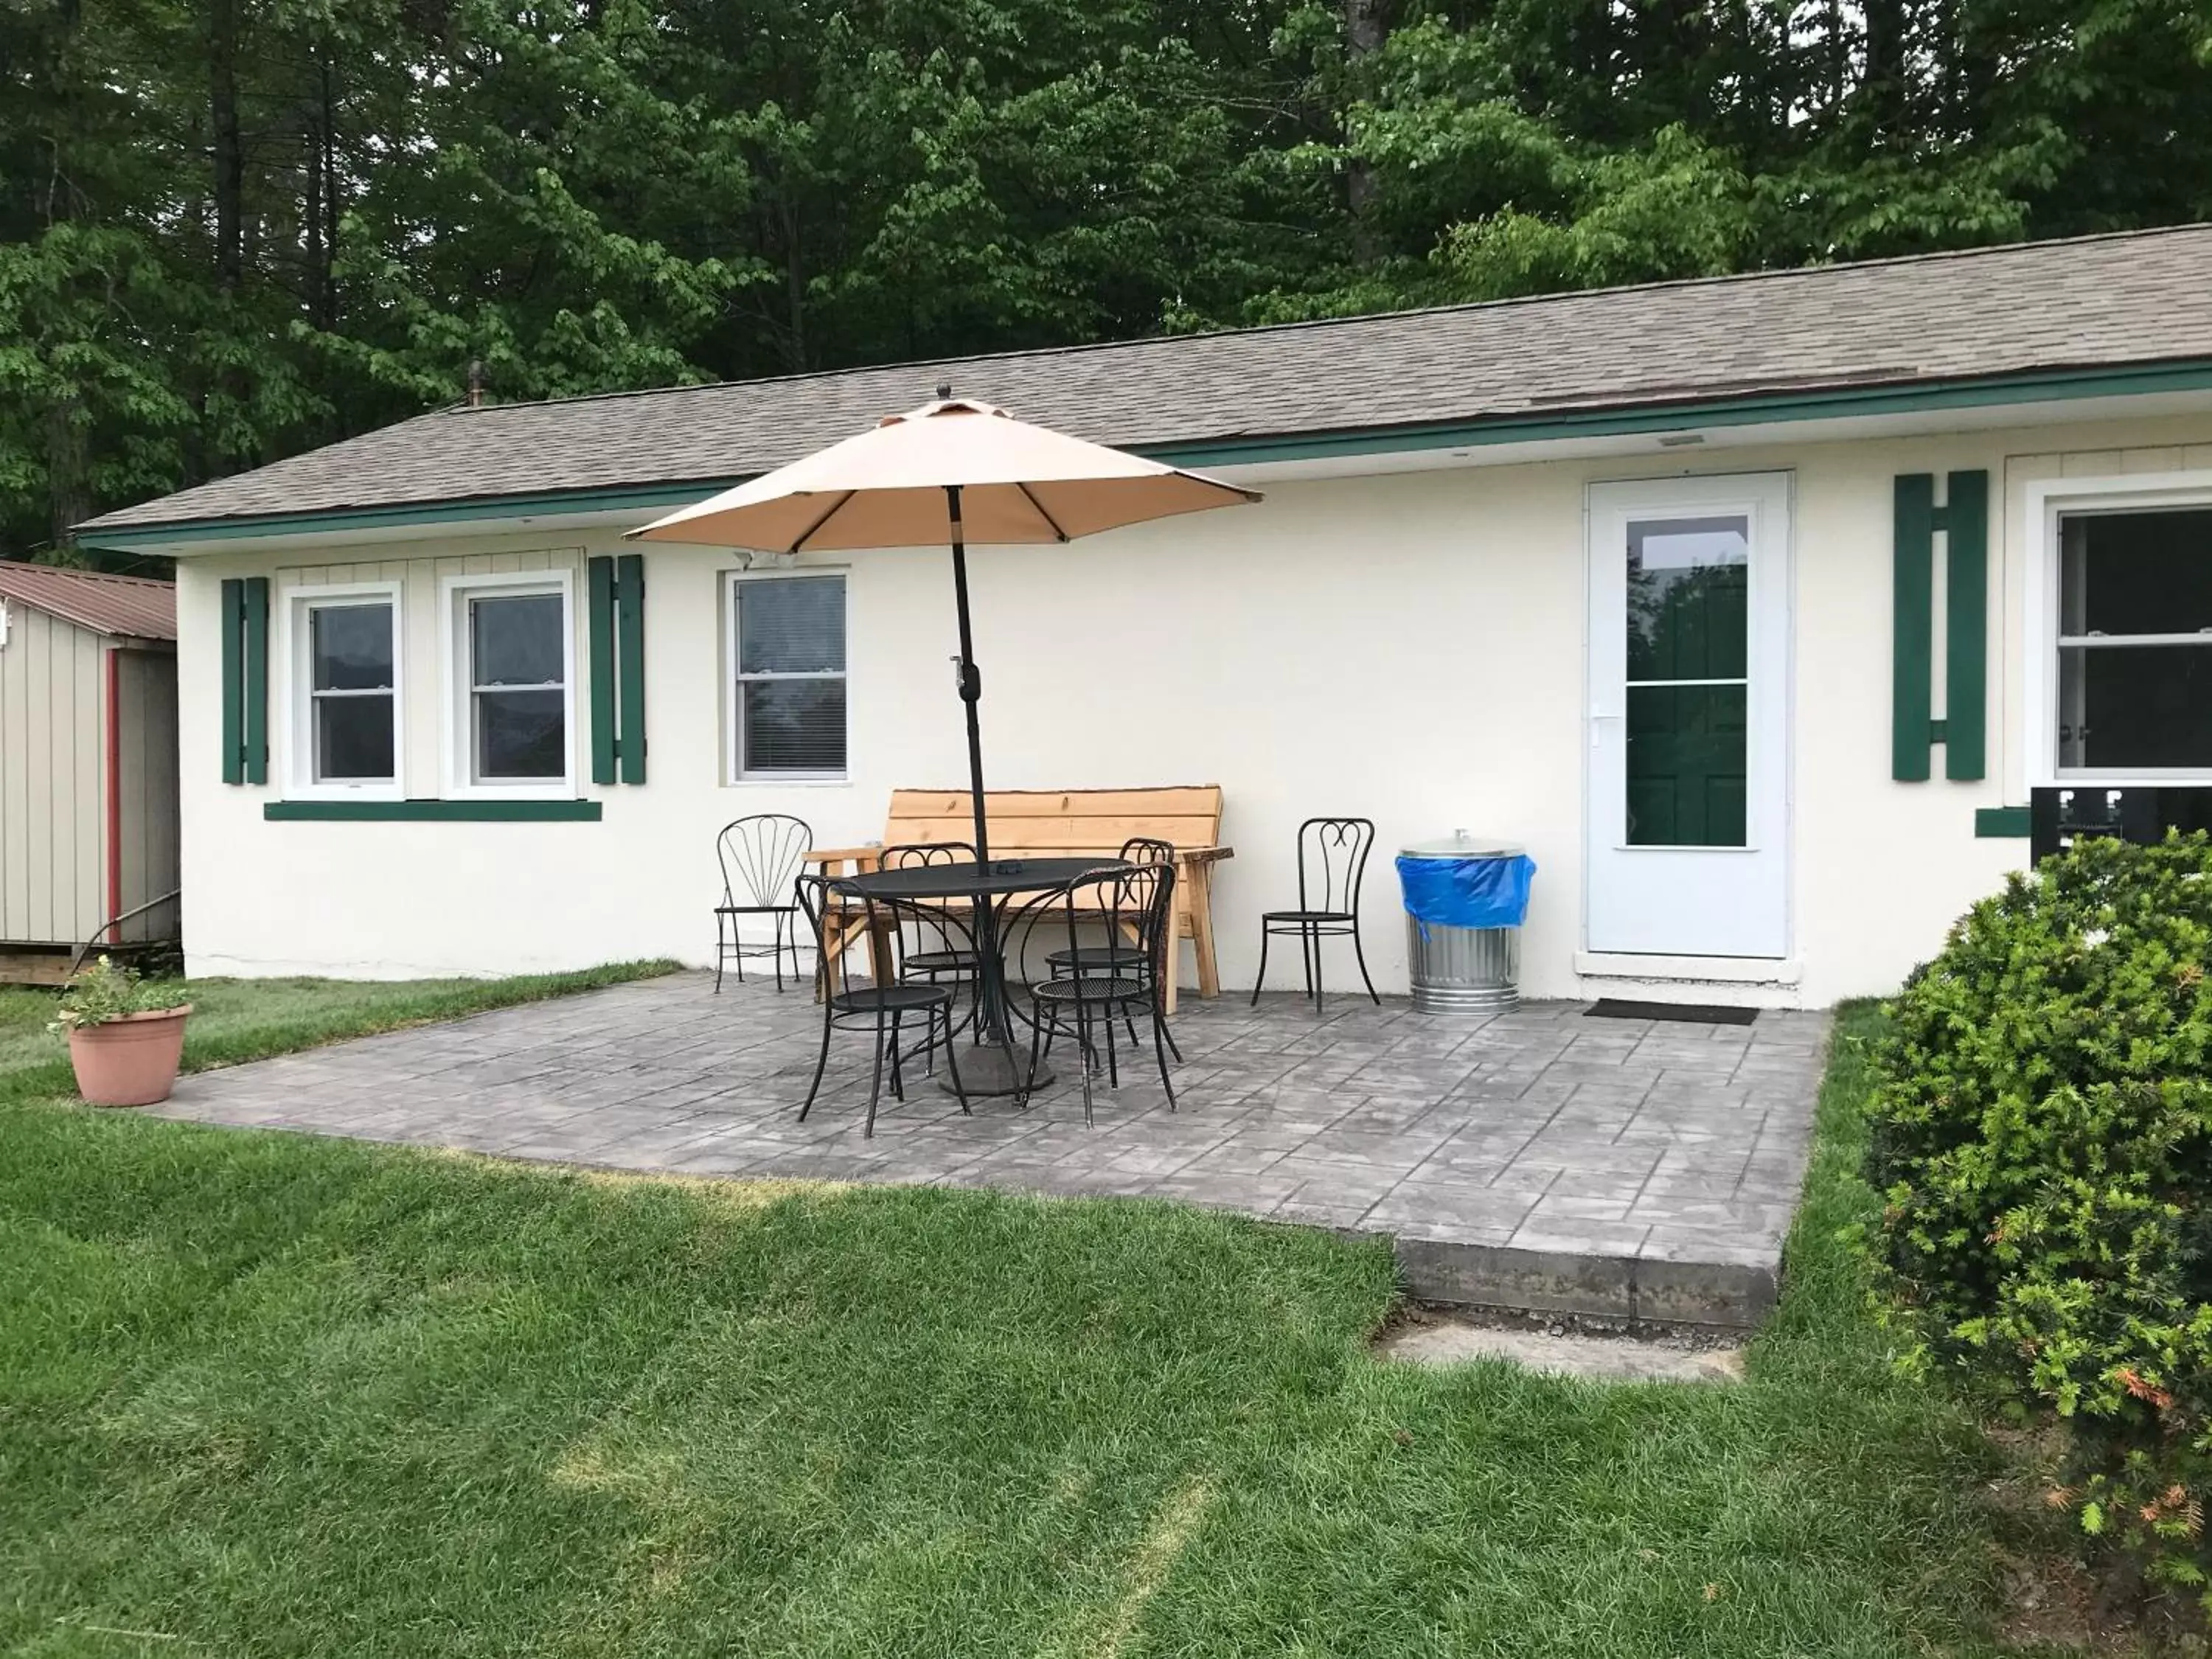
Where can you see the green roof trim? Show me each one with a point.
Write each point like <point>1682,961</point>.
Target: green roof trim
<point>2191,374</point>
<point>431,812</point>
<point>383,518</point>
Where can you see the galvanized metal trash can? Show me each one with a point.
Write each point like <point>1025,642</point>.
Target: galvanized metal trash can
<point>1458,969</point>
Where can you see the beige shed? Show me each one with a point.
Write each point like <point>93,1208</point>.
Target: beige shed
<point>87,767</point>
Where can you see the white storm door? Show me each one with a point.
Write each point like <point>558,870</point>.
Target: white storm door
<point>1688,790</point>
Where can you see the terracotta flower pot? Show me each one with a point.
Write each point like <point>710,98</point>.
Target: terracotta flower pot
<point>130,1061</point>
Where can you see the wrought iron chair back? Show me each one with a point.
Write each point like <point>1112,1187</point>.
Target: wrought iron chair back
<point>1333,863</point>
<point>1146,850</point>
<point>760,855</point>
<point>916,854</point>
<point>935,940</point>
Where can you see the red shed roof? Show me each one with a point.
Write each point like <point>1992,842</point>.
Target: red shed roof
<point>133,607</point>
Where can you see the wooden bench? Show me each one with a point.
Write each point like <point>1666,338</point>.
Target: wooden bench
<point>1067,824</point>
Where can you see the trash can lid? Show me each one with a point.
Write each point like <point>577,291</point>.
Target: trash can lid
<point>1459,845</point>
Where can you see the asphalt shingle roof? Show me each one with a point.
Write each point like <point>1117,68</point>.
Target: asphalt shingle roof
<point>129,607</point>
<point>2090,302</point>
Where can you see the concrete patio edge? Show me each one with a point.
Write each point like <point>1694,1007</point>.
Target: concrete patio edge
<point>1629,1170</point>
<point>1733,1296</point>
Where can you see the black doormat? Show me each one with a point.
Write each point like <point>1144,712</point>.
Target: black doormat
<point>1688,1013</point>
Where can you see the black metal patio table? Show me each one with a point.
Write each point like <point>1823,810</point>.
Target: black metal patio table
<point>997,1066</point>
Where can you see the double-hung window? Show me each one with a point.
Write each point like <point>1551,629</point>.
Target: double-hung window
<point>512,676</point>
<point>2134,668</point>
<point>788,691</point>
<point>345,655</point>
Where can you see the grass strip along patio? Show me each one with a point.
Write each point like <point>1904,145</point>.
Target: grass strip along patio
<point>266,1394</point>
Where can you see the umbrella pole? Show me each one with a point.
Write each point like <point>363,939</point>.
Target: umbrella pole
<point>971,682</point>
<point>996,1067</point>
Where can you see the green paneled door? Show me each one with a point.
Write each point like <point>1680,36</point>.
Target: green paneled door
<point>1687,690</point>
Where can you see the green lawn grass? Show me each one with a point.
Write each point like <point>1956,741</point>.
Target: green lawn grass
<point>266,1394</point>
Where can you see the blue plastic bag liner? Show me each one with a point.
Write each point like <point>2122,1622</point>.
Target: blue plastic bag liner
<point>1483,889</point>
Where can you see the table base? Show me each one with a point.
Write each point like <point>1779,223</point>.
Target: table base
<point>993,1068</point>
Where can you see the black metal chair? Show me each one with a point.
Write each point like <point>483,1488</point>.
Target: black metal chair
<point>1137,899</point>
<point>855,1004</point>
<point>760,856</point>
<point>1118,955</point>
<point>933,943</point>
<point>1332,867</point>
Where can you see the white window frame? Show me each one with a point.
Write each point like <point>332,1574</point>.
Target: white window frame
<point>298,739</point>
<point>2047,501</point>
<point>456,745</point>
<point>734,714</point>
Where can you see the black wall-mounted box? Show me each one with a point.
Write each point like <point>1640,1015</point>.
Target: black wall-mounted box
<point>2136,812</point>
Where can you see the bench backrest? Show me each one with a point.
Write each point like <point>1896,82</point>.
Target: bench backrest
<point>1061,823</point>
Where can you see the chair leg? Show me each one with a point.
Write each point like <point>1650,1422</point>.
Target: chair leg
<point>829,1017</point>
<point>952,1063</point>
<point>1360,956</point>
<point>1036,1041</point>
<point>1314,943</point>
<point>1261,978</point>
<point>719,920</point>
<point>876,1084</point>
<point>776,949</point>
<point>1160,1018</point>
<point>1160,1031</point>
<point>898,1074</point>
<point>1083,1042</point>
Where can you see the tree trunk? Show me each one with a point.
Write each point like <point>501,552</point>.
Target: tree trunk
<point>1883,84</point>
<point>68,493</point>
<point>794,292</point>
<point>320,221</point>
<point>1367,27</point>
<point>229,154</point>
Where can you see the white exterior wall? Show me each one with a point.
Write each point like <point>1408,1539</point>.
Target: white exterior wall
<point>1408,646</point>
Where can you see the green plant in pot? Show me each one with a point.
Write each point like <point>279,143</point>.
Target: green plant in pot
<point>127,1034</point>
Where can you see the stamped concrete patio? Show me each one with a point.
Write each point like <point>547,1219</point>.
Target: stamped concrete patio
<point>1537,1159</point>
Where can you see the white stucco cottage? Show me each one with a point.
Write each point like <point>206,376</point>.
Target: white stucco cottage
<point>1755,608</point>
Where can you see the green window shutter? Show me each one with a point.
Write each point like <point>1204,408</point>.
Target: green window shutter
<point>257,679</point>
<point>246,679</point>
<point>629,650</point>
<point>1964,729</point>
<point>234,680</point>
<point>1912,646</point>
<point>599,574</point>
<point>1965,519</point>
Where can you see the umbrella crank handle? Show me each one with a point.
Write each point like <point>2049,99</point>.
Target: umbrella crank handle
<point>969,680</point>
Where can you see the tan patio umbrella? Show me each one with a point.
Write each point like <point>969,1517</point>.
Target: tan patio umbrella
<point>954,470</point>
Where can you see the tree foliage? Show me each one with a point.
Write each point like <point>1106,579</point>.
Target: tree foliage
<point>235,229</point>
